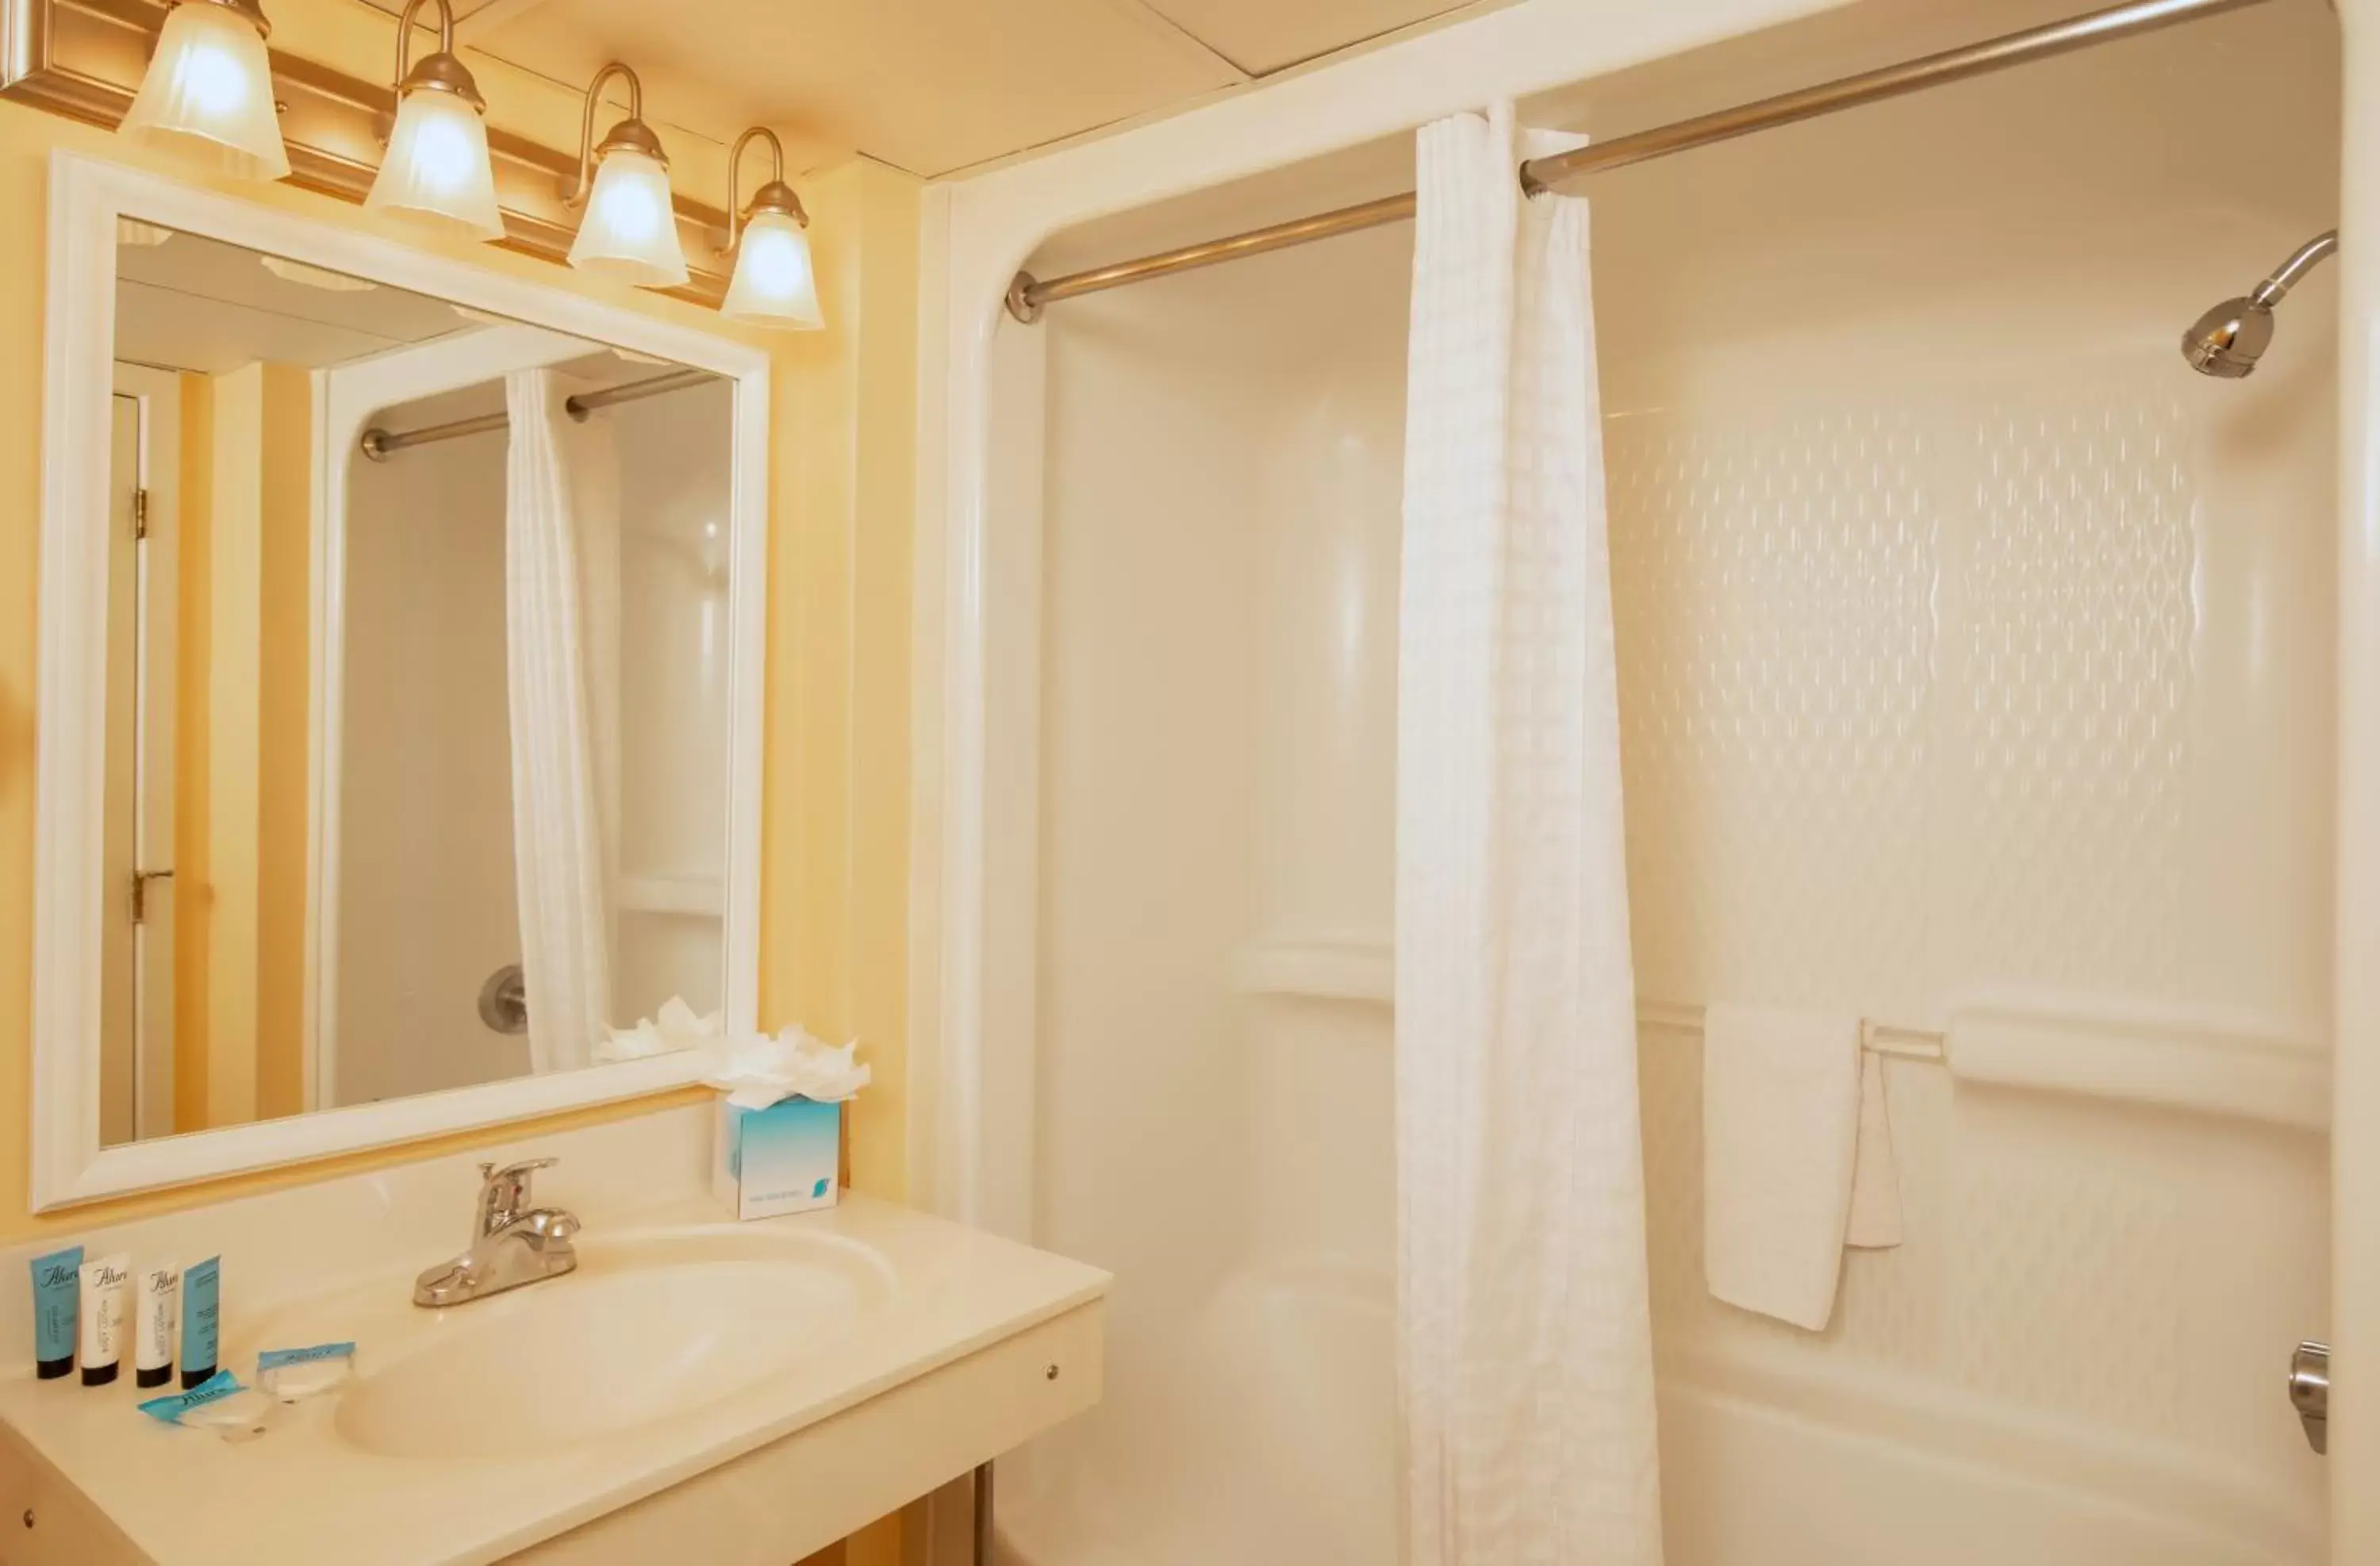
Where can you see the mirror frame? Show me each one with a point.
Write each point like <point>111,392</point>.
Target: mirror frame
<point>87,195</point>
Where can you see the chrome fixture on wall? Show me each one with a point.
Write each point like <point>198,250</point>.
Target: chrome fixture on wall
<point>503,1001</point>
<point>2310,1392</point>
<point>2228,340</point>
<point>437,164</point>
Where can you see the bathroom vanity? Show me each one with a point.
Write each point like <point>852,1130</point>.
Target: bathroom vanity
<point>695,1390</point>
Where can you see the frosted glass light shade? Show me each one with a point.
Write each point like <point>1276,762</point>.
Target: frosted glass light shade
<point>773,284</point>
<point>210,89</point>
<point>629,231</point>
<point>437,166</point>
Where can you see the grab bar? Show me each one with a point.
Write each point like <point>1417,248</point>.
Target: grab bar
<point>1876,1038</point>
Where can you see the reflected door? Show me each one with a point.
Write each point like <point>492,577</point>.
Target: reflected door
<point>137,1011</point>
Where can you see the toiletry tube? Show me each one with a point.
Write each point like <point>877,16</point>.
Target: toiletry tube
<point>102,1310</point>
<point>201,1314</point>
<point>57,1285</point>
<point>152,1334</point>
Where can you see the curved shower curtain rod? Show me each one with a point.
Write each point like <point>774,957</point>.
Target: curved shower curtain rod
<point>379,443</point>
<point>1027,294</point>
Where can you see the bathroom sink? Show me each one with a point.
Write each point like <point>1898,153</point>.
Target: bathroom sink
<point>836,1364</point>
<point>646,1329</point>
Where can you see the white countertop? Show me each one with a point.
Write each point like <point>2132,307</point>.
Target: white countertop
<point>304,1493</point>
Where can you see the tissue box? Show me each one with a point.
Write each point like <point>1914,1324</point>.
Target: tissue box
<point>783,1159</point>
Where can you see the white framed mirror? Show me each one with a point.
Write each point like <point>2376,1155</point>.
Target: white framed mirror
<point>401,639</point>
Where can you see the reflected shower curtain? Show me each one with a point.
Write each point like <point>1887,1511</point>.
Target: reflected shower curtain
<point>1524,1347</point>
<point>562,614</point>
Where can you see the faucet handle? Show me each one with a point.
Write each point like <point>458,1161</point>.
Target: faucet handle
<point>504,1192</point>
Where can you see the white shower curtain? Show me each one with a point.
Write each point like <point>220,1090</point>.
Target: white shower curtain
<point>562,614</point>
<point>1524,1333</point>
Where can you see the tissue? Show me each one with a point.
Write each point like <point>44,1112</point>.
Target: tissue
<point>675,1029</point>
<point>780,1137</point>
<point>757,1071</point>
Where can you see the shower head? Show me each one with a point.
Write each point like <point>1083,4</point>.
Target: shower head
<point>2228,340</point>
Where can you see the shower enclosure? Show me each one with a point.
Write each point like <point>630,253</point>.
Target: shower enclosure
<point>1980,670</point>
<point>425,911</point>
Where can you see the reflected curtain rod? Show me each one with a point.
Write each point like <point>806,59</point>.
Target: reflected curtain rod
<point>378,444</point>
<point>1027,294</point>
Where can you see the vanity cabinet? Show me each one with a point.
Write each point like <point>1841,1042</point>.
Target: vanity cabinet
<point>825,1483</point>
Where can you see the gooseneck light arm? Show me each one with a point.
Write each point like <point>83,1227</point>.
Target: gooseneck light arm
<point>734,175</point>
<point>405,35</point>
<point>776,196</point>
<point>576,195</point>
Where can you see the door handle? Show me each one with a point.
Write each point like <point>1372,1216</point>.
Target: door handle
<point>141,881</point>
<point>2310,1392</point>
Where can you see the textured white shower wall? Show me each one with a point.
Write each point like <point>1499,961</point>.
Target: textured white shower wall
<point>675,473</point>
<point>1977,659</point>
<point>428,906</point>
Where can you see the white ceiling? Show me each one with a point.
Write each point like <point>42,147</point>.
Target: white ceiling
<point>198,304</point>
<point>193,303</point>
<point>930,86</point>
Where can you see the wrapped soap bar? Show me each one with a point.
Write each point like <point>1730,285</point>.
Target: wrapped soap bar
<point>295,1374</point>
<point>219,1404</point>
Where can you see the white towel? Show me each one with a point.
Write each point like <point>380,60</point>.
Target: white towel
<point>1782,1104</point>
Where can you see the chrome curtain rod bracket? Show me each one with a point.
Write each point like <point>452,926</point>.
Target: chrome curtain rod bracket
<point>1027,294</point>
<point>380,444</point>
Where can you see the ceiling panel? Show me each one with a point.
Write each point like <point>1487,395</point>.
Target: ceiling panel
<point>194,303</point>
<point>1266,35</point>
<point>924,85</point>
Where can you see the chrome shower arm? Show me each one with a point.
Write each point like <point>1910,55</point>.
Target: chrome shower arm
<point>2308,256</point>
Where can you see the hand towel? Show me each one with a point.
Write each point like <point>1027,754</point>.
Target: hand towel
<point>1780,1139</point>
<point>1875,1183</point>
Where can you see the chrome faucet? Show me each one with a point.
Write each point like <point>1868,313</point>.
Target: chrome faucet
<point>511,1243</point>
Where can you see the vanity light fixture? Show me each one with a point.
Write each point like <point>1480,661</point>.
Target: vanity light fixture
<point>210,86</point>
<point>437,165</point>
<point>773,284</point>
<point>629,229</point>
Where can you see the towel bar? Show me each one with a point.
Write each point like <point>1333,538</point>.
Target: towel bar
<point>1882,1039</point>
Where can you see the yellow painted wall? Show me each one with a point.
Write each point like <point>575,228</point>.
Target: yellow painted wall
<point>235,670</point>
<point>285,721</point>
<point>834,921</point>
<point>837,787</point>
<point>834,838</point>
<point>245,747</point>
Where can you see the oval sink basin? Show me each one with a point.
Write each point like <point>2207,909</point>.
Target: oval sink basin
<point>646,1329</point>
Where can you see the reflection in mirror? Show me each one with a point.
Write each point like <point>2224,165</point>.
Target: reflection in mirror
<point>416,695</point>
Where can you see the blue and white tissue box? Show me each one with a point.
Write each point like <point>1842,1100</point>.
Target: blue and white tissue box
<point>783,1158</point>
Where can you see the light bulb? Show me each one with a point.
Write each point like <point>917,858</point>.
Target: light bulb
<point>209,88</point>
<point>437,166</point>
<point>773,284</point>
<point>629,230</point>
